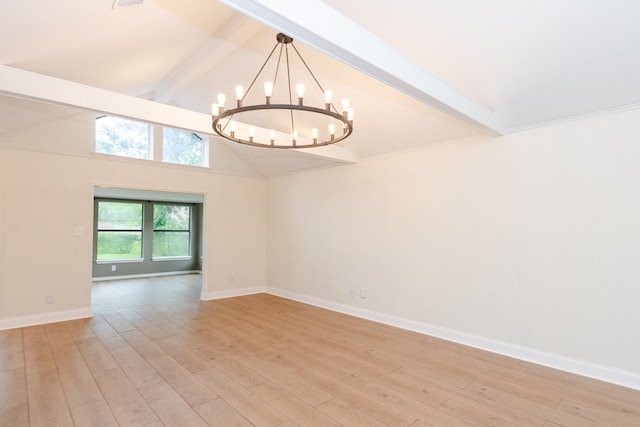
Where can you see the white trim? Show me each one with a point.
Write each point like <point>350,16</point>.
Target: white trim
<point>209,296</point>
<point>171,258</point>
<point>599,372</point>
<point>140,276</point>
<point>573,118</point>
<point>147,162</point>
<point>119,260</point>
<point>43,318</point>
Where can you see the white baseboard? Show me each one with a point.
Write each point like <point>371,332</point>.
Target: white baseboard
<point>586,369</point>
<point>141,276</point>
<point>209,296</point>
<point>43,318</point>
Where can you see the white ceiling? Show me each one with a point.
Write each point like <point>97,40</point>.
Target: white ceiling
<point>419,71</point>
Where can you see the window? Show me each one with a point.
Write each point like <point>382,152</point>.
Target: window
<point>119,230</point>
<point>184,148</point>
<point>128,138</point>
<point>171,230</point>
<point>122,137</point>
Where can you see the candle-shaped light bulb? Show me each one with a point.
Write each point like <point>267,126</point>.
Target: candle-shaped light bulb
<point>332,130</point>
<point>328,94</point>
<point>233,125</point>
<point>239,92</point>
<point>252,132</point>
<point>300,92</point>
<point>350,114</point>
<point>268,91</point>
<point>215,109</point>
<point>239,95</point>
<point>272,136</point>
<point>314,134</point>
<point>295,135</point>
<point>221,99</point>
<point>345,105</point>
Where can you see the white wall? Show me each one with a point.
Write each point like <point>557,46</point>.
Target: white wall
<point>528,242</point>
<point>46,195</point>
<point>531,240</point>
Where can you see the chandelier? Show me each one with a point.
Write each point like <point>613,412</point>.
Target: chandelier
<point>281,122</point>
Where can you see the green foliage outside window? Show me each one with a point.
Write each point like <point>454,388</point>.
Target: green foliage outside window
<point>128,138</point>
<point>119,245</point>
<point>182,147</point>
<point>171,230</point>
<point>119,230</point>
<point>122,137</point>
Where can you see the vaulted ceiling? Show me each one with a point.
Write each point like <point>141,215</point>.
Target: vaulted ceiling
<point>417,72</point>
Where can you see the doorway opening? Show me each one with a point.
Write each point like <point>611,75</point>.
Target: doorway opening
<point>141,235</point>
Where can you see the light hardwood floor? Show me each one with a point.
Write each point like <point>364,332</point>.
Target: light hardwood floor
<point>154,355</point>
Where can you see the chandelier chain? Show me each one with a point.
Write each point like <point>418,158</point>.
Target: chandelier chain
<point>293,126</point>
<point>264,64</point>
<point>260,71</point>
<point>275,78</point>
<point>311,72</point>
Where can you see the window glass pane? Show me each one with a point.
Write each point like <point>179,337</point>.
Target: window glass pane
<point>168,243</point>
<point>119,244</point>
<point>122,137</point>
<point>119,230</point>
<point>185,148</point>
<point>119,216</point>
<point>171,217</point>
<point>171,225</point>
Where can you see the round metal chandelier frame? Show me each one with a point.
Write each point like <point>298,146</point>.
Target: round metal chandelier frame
<point>222,119</point>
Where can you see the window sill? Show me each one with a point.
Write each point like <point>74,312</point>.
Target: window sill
<point>147,161</point>
<point>171,258</point>
<point>118,260</point>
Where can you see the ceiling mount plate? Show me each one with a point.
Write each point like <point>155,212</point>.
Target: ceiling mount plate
<point>125,3</point>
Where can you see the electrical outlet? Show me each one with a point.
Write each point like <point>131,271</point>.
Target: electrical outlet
<point>352,293</point>
<point>363,294</point>
<point>113,268</point>
<point>51,298</point>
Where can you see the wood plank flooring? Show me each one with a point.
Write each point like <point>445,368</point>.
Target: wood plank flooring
<point>154,355</point>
